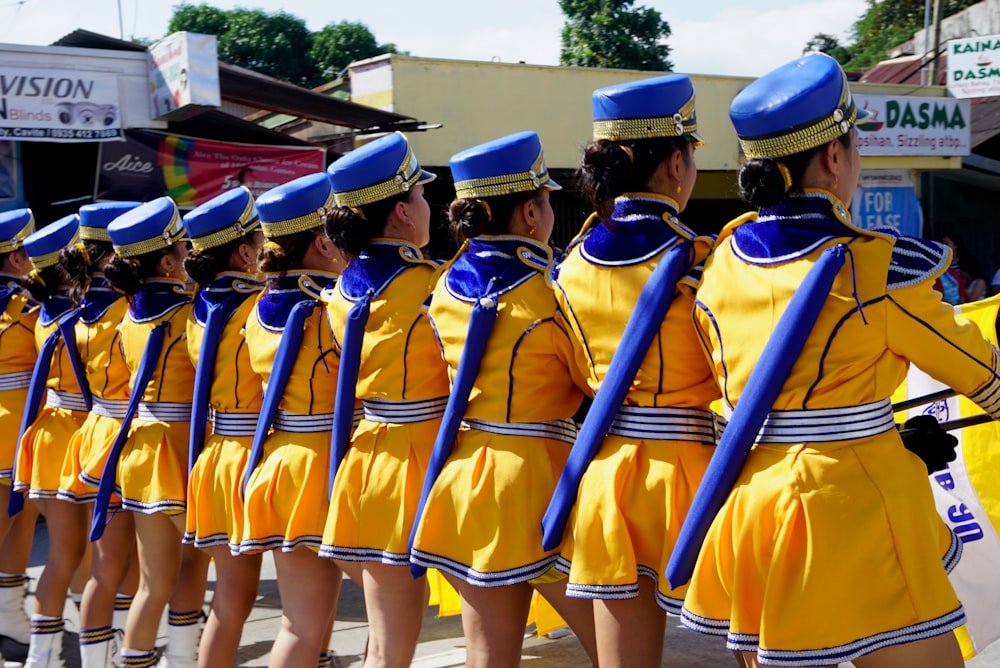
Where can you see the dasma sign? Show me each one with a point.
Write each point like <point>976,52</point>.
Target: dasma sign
<point>974,66</point>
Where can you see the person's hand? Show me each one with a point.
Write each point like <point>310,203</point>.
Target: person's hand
<point>924,437</point>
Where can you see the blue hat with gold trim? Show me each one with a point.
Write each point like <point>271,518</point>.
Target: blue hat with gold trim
<point>376,171</point>
<point>657,107</point>
<point>95,218</point>
<point>154,226</point>
<point>15,226</point>
<point>295,206</point>
<point>222,219</point>
<point>801,105</point>
<point>43,247</point>
<point>503,166</point>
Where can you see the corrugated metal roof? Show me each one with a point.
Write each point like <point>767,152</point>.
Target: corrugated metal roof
<point>263,92</point>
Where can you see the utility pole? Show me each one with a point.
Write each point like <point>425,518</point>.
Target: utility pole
<point>932,73</point>
<point>121,30</point>
<point>927,39</point>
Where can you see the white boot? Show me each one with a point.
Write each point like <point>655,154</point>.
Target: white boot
<point>14,623</point>
<point>183,635</point>
<point>98,647</point>
<point>45,650</point>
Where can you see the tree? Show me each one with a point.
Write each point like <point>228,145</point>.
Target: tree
<point>613,33</point>
<point>828,44</point>
<point>884,25</point>
<point>277,45</point>
<point>339,44</point>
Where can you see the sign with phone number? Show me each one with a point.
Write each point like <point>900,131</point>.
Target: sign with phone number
<point>60,134</point>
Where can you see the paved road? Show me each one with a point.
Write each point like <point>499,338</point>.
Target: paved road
<point>441,644</point>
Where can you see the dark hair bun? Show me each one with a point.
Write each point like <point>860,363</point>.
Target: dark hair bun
<point>761,183</point>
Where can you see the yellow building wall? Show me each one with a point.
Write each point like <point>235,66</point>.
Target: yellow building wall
<point>479,101</point>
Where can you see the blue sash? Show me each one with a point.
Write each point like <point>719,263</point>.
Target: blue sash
<point>643,324</point>
<point>150,356</point>
<point>762,388</point>
<point>215,320</point>
<point>284,360</point>
<point>347,383</point>
<point>68,330</point>
<point>36,390</point>
<point>484,314</point>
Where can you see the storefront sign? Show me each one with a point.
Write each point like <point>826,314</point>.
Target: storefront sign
<point>938,126</point>
<point>183,75</point>
<point>55,105</point>
<point>192,171</point>
<point>974,66</point>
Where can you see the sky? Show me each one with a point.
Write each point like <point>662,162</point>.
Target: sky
<point>727,37</point>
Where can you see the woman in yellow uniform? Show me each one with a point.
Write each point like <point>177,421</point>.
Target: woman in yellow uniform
<point>638,175</point>
<point>46,430</point>
<point>225,235</point>
<point>827,547</point>
<point>147,464</point>
<point>393,364</point>
<point>112,567</point>
<point>18,315</point>
<point>291,347</point>
<point>515,390</point>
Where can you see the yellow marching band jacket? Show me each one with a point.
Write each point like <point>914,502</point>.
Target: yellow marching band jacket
<point>968,498</point>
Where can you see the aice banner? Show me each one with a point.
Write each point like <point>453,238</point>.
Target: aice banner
<point>58,105</point>
<point>902,125</point>
<point>192,171</point>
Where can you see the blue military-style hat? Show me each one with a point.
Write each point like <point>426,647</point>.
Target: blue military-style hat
<point>222,219</point>
<point>95,218</point>
<point>151,227</point>
<point>376,171</point>
<point>43,247</point>
<point>15,226</point>
<point>296,206</point>
<point>657,107</point>
<point>503,166</point>
<point>801,105</point>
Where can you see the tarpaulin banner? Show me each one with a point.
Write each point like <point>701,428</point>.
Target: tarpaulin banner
<point>192,171</point>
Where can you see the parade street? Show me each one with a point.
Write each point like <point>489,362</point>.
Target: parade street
<point>441,643</point>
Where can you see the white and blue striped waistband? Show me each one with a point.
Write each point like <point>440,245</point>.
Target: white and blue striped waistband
<point>302,424</point>
<point>828,425</point>
<point>163,411</point>
<point>15,381</point>
<point>560,430</point>
<point>667,424</point>
<point>233,424</point>
<point>110,408</point>
<point>65,400</point>
<point>403,412</point>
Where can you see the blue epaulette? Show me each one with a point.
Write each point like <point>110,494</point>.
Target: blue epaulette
<point>914,261</point>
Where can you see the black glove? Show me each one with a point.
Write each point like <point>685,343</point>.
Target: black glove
<point>925,438</point>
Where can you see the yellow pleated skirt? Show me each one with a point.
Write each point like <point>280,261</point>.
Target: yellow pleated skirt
<point>11,410</point>
<point>152,469</point>
<point>43,450</point>
<point>286,501</point>
<point>482,520</point>
<point>215,506</point>
<point>826,552</point>
<point>632,502</point>
<point>85,458</point>
<point>376,493</point>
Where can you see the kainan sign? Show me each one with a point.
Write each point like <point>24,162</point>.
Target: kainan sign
<point>974,66</point>
<point>900,125</point>
<point>58,105</point>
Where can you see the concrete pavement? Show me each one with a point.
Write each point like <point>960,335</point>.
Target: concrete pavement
<point>441,644</point>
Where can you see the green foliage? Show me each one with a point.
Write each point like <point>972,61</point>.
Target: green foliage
<point>613,33</point>
<point>280,45</point>
<point>884,25</point>
<point>339,44</point>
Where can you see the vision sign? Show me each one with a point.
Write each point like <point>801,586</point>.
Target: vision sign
<point>902,125</point>
<point>974,66</point>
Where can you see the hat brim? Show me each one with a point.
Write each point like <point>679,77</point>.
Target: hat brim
<point>551,185</point>
<point>425,177</point>
<point>697,140</point>
<point>863,115</point>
